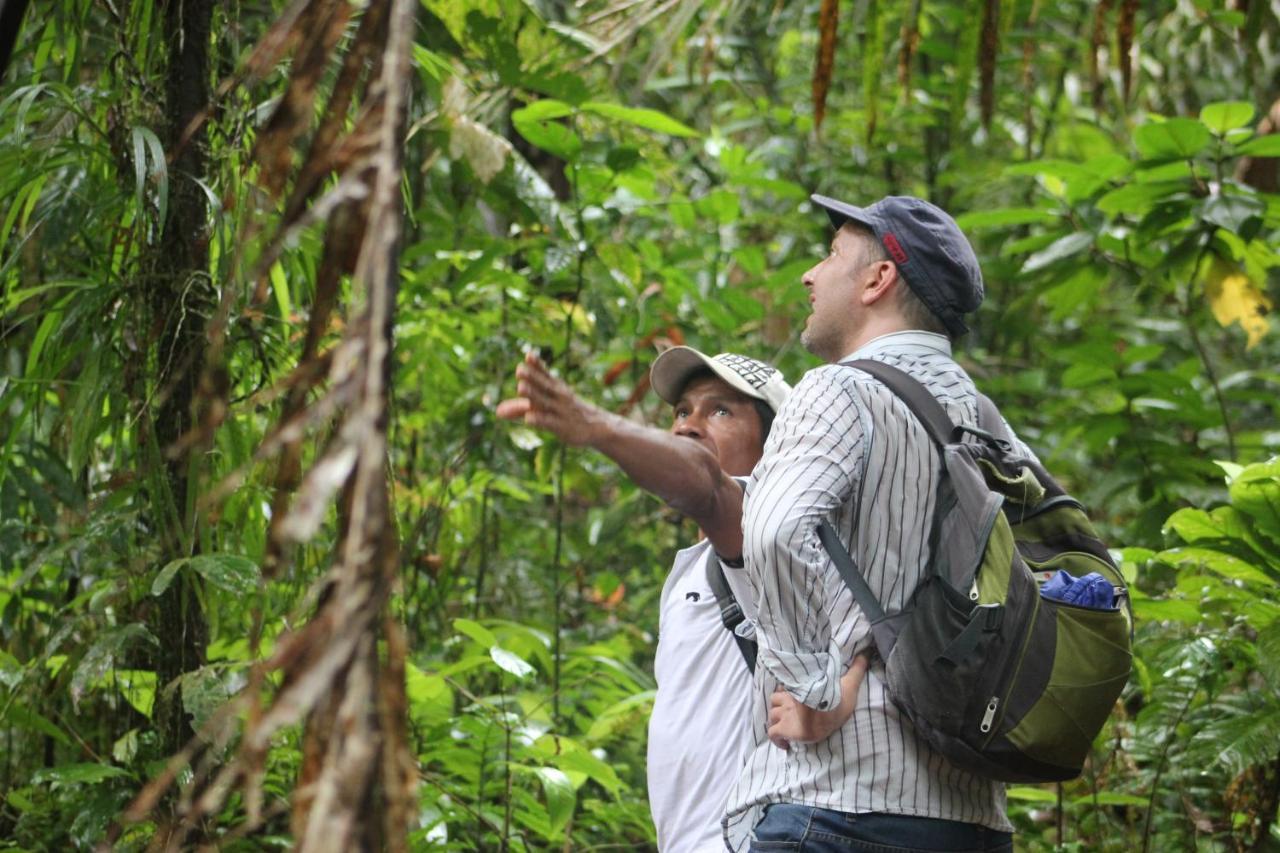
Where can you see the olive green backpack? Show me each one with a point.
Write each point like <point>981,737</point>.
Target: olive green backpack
<point>1003,682</point>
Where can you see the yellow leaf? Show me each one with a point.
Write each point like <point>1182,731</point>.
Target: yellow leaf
<point>1236,299</point>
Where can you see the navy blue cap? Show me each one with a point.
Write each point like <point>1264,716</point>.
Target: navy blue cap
<point>931,252</point>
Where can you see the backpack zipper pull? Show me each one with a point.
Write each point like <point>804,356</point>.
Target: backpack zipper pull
<point>973,591</point>
<point>991,713</point>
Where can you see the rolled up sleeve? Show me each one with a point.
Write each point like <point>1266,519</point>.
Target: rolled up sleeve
<point>807,473</point>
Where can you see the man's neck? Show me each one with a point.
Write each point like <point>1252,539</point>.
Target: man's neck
<point>875,327</point>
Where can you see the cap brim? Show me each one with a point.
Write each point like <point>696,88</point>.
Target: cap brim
<point>841,213</point>
<point>671,371</point>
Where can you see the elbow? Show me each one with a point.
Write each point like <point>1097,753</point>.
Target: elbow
<point>700,498</point>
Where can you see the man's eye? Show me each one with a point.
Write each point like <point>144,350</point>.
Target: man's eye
<point>721,410</point>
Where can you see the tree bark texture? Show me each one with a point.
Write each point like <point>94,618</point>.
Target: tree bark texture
<point>180,297</point>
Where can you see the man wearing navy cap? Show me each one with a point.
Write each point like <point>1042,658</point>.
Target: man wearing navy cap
<point>896,287</point>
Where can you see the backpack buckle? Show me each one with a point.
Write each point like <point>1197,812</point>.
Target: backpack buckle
<point>989,438</point>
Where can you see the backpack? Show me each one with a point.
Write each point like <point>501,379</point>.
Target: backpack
<point>1003,682</point>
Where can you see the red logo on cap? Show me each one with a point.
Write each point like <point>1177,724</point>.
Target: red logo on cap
<point>895,248</point>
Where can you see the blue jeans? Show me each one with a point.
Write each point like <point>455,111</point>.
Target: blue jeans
<point>786,826</point>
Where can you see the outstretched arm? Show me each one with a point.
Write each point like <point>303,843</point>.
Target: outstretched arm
<point>679,471</point>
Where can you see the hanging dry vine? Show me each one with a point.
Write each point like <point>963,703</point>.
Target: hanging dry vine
<point>341,674</point>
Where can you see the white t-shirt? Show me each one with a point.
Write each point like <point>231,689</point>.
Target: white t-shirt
<point>698,734</point>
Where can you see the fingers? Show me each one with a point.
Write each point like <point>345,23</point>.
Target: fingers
<point>777,738</point>
<point>514,409</point>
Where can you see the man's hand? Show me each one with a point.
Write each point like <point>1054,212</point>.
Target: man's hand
<point>548,403</point>
<point>793,722</point>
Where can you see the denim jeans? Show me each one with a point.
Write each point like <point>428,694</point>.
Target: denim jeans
<point>786,826</point>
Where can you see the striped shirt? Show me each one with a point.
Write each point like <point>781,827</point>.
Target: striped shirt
<point>845,449</point>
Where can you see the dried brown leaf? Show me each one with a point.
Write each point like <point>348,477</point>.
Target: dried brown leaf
<point>828,25</point>
<point>1124,45</point>
<point>988,53</point>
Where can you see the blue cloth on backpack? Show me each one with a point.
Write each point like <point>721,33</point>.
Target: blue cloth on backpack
<point>1092,591</point>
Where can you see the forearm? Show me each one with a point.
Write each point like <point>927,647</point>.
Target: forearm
<point>680,472</point>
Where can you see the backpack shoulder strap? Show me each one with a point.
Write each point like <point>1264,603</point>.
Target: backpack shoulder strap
<point>917,398</point>
<point>731,615</point>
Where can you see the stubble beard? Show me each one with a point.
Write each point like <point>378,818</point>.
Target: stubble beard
<point>817,343</point>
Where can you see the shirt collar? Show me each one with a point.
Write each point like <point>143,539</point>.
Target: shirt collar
<point>916,339</point>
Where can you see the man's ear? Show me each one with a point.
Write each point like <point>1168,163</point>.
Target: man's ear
<point>881,283</point>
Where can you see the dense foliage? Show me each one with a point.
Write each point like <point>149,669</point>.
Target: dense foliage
<point>597,180</point>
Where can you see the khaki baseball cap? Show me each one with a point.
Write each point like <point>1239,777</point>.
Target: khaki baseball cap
<point>672,369</point>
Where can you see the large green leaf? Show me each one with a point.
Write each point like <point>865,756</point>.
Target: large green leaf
<point>1261,146</point>
<point>1061,249</point>
<point>1256,493</point>
<point>550,136</point>
<point>77,774</point>
<point>235,574</point>
<point>1176,138</point>
<point>103,654</point>
<point>510,662</point>
<point>475,631</point>
<point>976,219</point>
<point>639,117</point>
<point>1137,199</point>
<point>1221,563</point>
<point>1226,115</point>
<point>560,794</point>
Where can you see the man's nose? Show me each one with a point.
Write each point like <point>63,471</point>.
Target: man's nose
<point>690,426</point>
<point>807,278</point>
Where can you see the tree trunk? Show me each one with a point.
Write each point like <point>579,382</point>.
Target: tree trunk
<point>180,298</point>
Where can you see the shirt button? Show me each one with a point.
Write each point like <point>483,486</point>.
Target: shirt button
<point>822,706</point>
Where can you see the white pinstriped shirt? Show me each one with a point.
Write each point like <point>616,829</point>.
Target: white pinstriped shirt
<point>845,449</point>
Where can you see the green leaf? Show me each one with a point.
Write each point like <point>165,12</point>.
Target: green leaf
<point>235,574</point>
<point>1261,146</point>
<point>138,686</point>
<point>547,108</point>
<point>573,757</point>
<point>1171,610</point>
<point>77,774</point>
<point>720,205</point>
<point>1226,565</point>
<point>1174,139</point>
<point>640,117</point>
<point>102,656</point>
<point>550,136</point>
<point>475,631</point>
<point>166,575</point>
<point>631,711</point>
<point>1085,374</point>
<point>1138,199</point>
<point>1110,798</point>
<point>1028,794</point>
<point>1232,211</point>
<point>510,661</point>
<point>1061,249</point>
<point>22,717</point>
<point>561,797</point>
<point>203,693</point>
<point>1256,493</point>
<point>1006,216</point>
<point>1195,525</point>
<point>1226,115</point>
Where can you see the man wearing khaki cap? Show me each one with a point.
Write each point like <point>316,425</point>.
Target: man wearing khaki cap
<point>723,408</point>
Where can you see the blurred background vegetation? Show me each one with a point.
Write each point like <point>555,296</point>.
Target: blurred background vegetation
<point>598,179</point>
